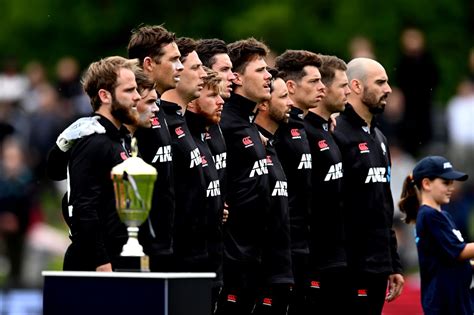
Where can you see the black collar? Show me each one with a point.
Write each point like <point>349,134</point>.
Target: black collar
<point>242,105</point>
<point>196,123</point>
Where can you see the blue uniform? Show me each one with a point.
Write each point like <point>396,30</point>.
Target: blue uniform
<point>445,279</point>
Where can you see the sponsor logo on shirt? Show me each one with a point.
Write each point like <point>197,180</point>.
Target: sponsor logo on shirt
<point>363,147</point>
<point>295,133</point>
<point>323,146</point>
<point>155,123</point>
<point>326,126</point>
<point>220,160</point>
<point>335,172</point>
<point>179,132</point>
<point>213,189</point>
<point>163,154</point>
<point>305,162</point>
<point>232,298</point>
<point>281,189</point>
<point>378,175</point>
<point>315,284</point>
<point>259,168</point>
<point>267,301</point>
<point>362,292</point>
<point>247,141</point>
<point>195,158</point>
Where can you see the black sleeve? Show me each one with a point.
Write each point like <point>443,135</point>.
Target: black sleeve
<point>56,165</point>
<point>396,263</point>
<point>87,170</point>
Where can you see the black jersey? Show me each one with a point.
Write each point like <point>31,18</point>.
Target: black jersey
<point>295,156</point>
<point>214,202</point>
<point>327,219</point>
<point>277,251</point>
<point>189,237</point>
<point>247,179</point>
<point>154,145</point>
<point>368,204</point>
<point>97,233</point>
<point>216,143</point>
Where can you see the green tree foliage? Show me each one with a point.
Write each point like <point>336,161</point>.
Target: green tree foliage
<point>48,29</point>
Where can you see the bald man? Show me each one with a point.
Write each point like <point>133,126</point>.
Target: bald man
<point>373,260</point>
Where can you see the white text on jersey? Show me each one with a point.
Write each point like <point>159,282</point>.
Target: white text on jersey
<point>335,172</point>
<point>259,167</point>
<point>163,154</point>
<point>213,189</point>
<point>195,158</point>
<point>280,189</point>
<point>305,162</point>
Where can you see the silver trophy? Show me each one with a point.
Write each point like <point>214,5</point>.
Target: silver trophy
<point>133,185</point>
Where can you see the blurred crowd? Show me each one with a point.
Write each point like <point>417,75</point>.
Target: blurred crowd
<point>35,107</point>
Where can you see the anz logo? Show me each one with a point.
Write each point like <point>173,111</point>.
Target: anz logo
<point>195,158</point>
<point>259,168</point>
<point>281,189</point>
<point>305,162</point>
<point>378,175</point>
<point>335,172</point>
<point>163,154</point>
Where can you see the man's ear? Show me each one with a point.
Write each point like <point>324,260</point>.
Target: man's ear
<point>263,106</point>
<point>238,79</point>
<point>191,105</point>
<point>148,64</point>
<point>105,96</point>
<point>356,86</point>
<point>291,85</point>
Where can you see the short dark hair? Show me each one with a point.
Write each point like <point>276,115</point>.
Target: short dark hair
<point>329,65</point>
<point>243,51</point>
<point>292,62</point>
<point>207,49</point>
<point>148,41</point>
<point>275,75</point>
<point>144,82</point>
<point>186,45</point>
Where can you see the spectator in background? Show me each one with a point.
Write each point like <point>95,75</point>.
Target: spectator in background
<point>417,77</point>
<point>16,199</point>
<point>12,83</point>
<point>45,124</point>
<point>69,87</point>
<point>361,46</point>
<point>36,74</point>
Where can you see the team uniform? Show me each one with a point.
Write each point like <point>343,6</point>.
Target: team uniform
<point>327,247</point>
<point>216,142</point>
<point>189,231</point>
<point>214,202</point>
<point>154,145</point>
<point>368,206</point>
<point>445,280</point>
<point>295,157</point>
<point>277,274</point>
<point>248,201</point>
<point>97,233</point>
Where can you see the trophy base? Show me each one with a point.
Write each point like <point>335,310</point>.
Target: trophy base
<point>132,264</point>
